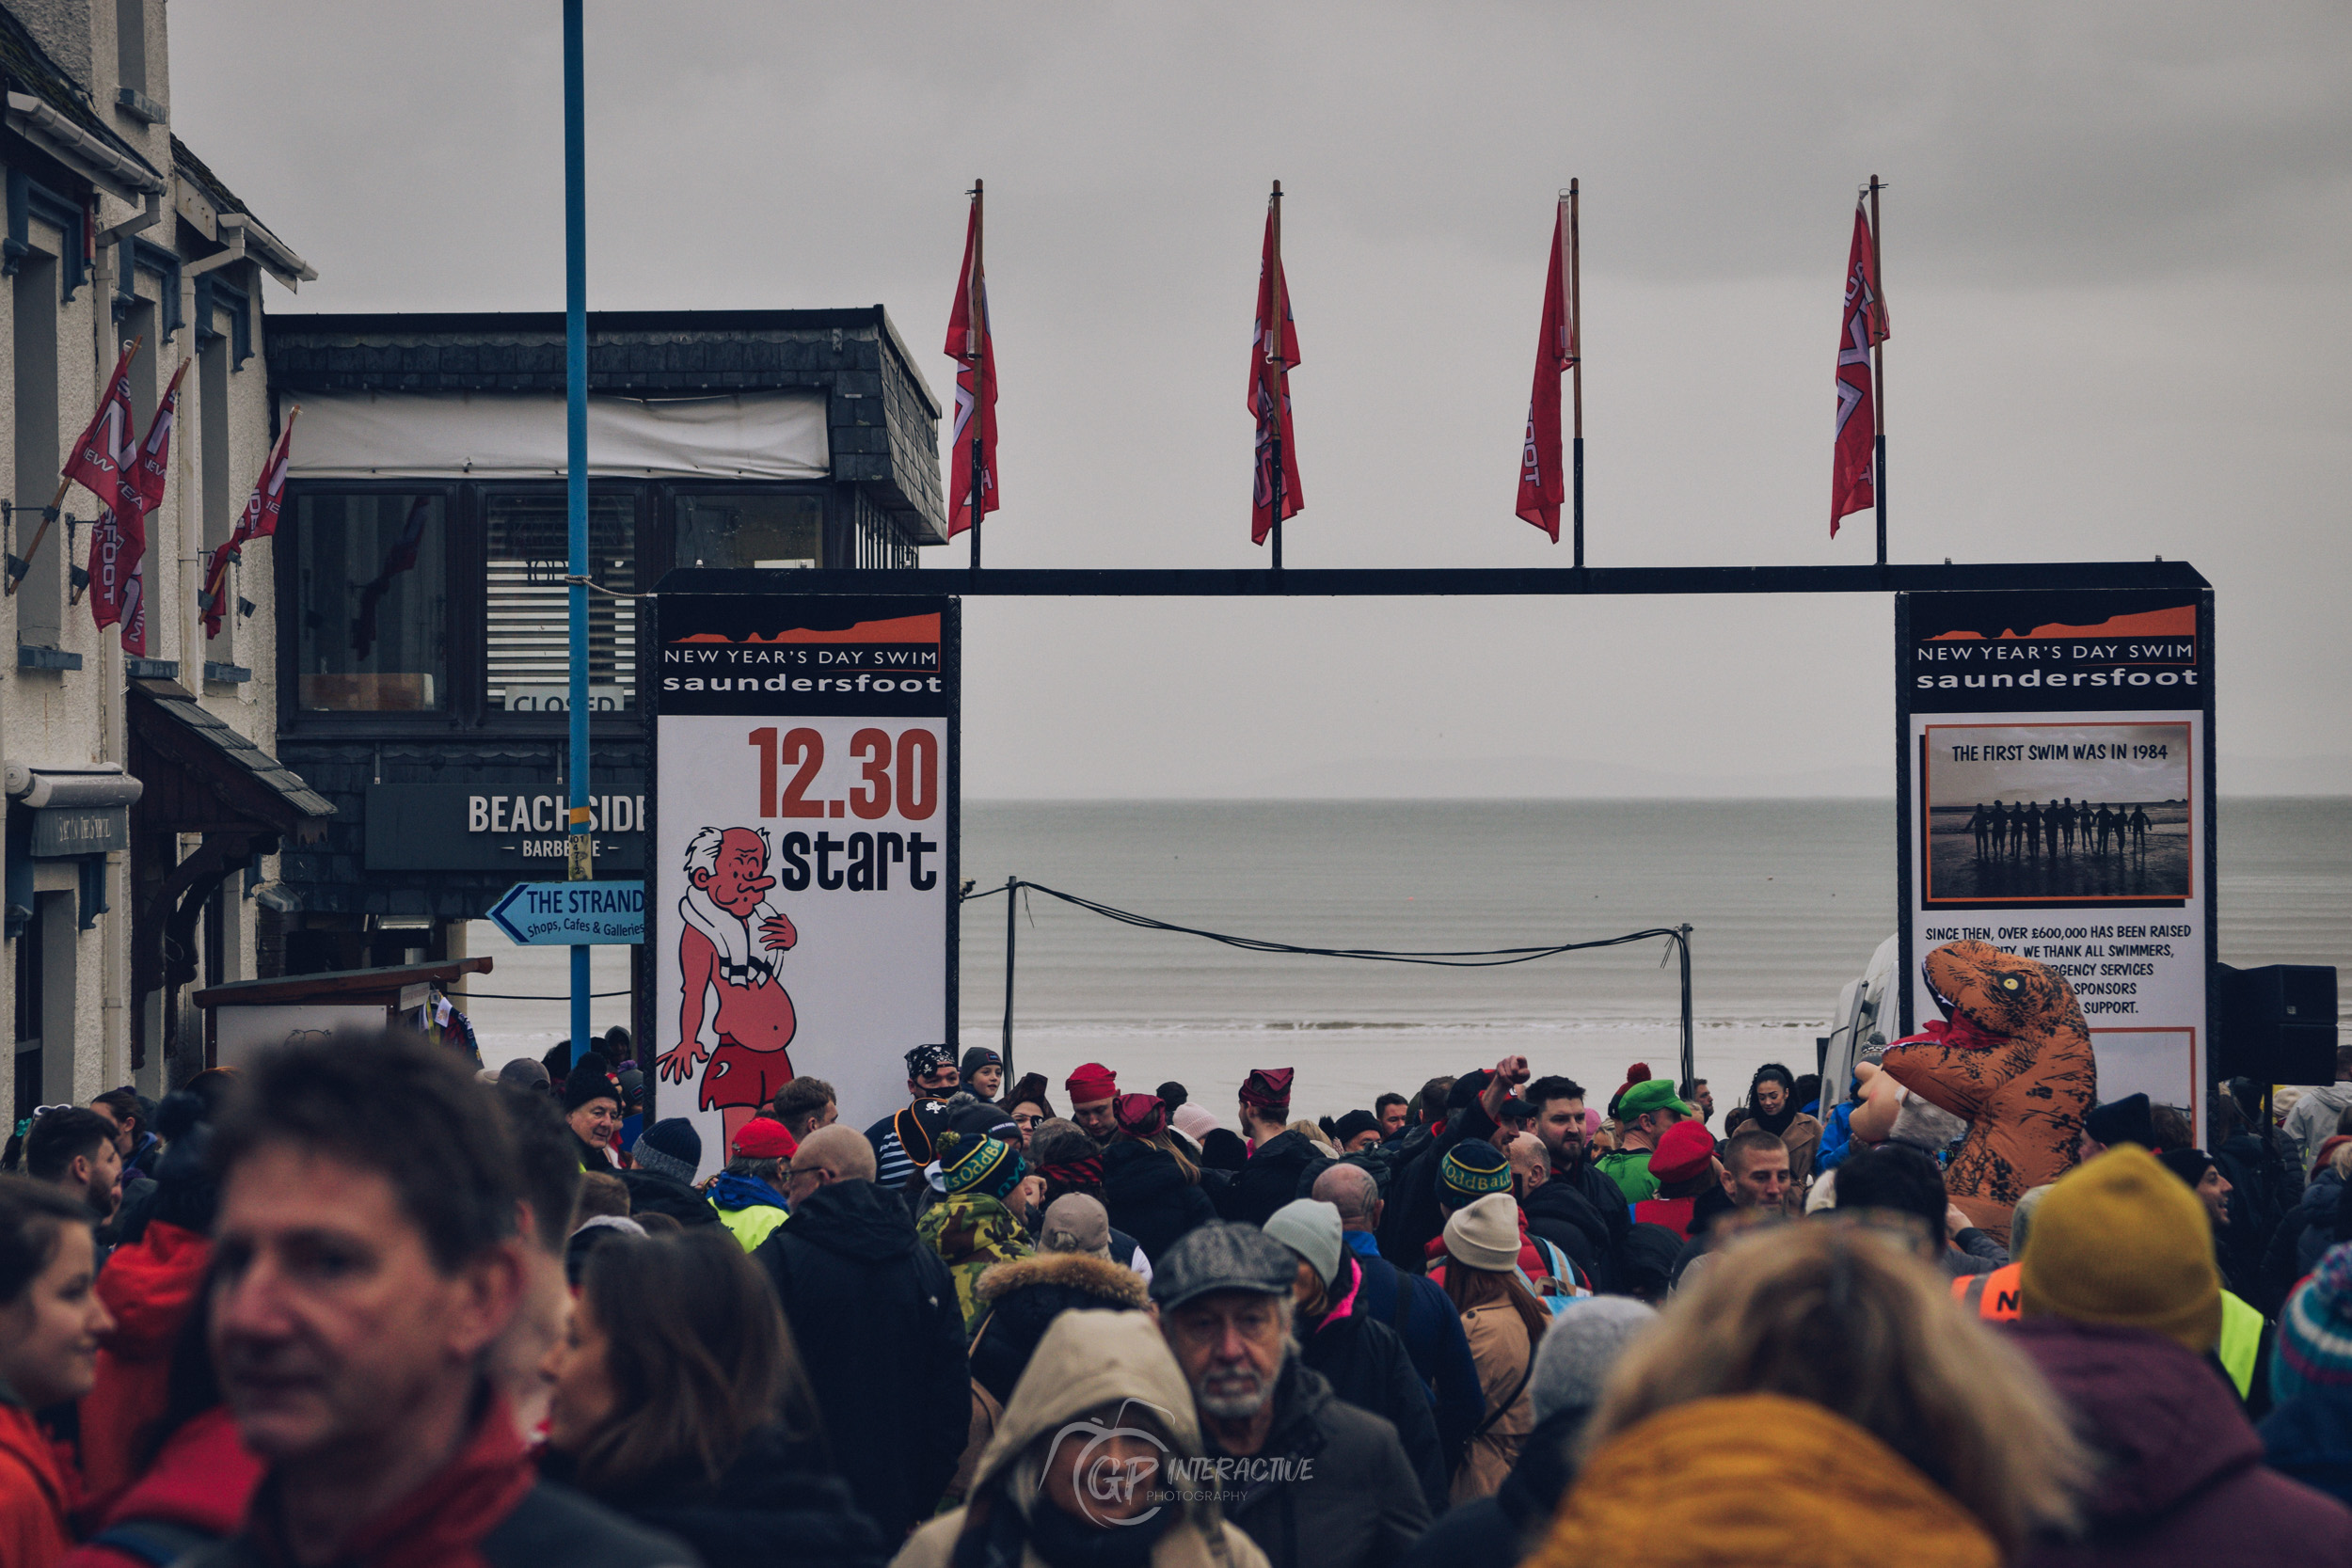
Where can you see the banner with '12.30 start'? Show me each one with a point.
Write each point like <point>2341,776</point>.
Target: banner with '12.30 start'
<point>802,860</point>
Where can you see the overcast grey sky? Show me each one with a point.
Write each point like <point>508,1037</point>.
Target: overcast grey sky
<point>2116,246</point>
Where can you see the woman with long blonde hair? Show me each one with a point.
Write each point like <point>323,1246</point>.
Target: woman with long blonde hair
<point>1815,1397</point>
<point>1504,1323</point>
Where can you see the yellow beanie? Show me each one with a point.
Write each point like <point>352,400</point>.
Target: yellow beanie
<point>2122,1241</point>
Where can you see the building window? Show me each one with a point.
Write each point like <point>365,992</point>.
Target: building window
<point>725,529</point>
<point>527,538</point>
<point>372,580</point>
<point>131,43</point>
<point>40,598</point>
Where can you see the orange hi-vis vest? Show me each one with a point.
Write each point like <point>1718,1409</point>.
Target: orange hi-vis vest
<point>1993,1295</point>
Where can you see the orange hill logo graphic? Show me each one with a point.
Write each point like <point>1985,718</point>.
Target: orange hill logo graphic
<point>2180,621</point>
<point>903,628</point>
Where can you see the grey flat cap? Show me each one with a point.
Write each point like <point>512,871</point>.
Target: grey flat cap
<point>1223,1258</point>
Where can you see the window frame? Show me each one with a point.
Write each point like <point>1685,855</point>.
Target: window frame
<point>466,549</point>
<point>460,556</point>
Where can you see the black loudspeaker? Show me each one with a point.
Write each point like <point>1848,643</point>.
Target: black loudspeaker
<point>2276,1024</point>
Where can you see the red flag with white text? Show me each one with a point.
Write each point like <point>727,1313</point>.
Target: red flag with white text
<point>118,545</point>
<point>970,345</point>
<point>107,446</point>
<point>1273,350</point>
<point>1543,482</point>
<point>260,521</point>
<point>1853,484</point>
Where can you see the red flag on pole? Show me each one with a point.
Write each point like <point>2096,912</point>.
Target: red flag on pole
<point>118,544</point>
<point>104,448</point>
<point>260,521</point>
<point>974,349</point>
<point>1853,483</point>
<point>1273,350</point>
<point>1543,484</point>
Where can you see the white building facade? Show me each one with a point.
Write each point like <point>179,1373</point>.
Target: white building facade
<point>144,812</point>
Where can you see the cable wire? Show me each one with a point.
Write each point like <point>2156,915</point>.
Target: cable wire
<point>1488,957</point>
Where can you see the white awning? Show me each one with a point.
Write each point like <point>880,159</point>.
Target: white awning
<point>766,434</point>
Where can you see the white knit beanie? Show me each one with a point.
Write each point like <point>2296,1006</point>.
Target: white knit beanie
<point>1486,1234</point>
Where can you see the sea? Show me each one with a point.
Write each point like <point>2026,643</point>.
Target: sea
<point>1785,901</point>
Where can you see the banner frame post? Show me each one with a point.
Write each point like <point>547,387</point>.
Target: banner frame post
<point>1012,890</point>
<point>578,842</point>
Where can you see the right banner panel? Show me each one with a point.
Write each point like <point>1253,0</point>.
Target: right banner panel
<point>2057,780</point>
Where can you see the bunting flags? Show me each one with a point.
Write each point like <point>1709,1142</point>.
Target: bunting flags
<point>118,541</point>
<point>1273,350</point>
<point>970,345</point>
<point>1853,480</point>
<point>1543,484</point>
<point>260,521</point>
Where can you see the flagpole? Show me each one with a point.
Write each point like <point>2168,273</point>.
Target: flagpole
<point>50,512</point>
<point>974,344</point>
<point>1878,369</point>
<point>1576,366</point>
<point>1274,293</point>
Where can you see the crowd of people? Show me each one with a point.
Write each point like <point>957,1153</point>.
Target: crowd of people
<point>355,1305</point>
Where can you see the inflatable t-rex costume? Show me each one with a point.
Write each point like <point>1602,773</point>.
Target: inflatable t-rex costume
<point>2014,1060</point>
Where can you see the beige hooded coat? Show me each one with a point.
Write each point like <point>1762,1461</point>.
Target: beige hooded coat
<point>1093,1363</point>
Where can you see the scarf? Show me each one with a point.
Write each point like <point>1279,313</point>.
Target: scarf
<point>742,948</point>
<point>1084,1175</point>
<point>1776,1123</point>
<point>996,1534</point>
<point>438,1523</point>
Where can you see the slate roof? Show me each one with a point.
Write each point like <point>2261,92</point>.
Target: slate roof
<point>883,420</point>
<point>246,777</point>
<point>639,353</point>
<point>27,65</point>
<point>196,172</point>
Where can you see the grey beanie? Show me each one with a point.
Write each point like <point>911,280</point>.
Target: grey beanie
<point>668,1148</point>
<point>1579,1350</point>
<point>1311,1229</point>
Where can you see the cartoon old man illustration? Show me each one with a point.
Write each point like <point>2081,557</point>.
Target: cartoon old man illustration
<point>731,941</point>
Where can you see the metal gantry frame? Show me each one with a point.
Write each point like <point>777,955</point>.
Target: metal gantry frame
<point>1440,581</point>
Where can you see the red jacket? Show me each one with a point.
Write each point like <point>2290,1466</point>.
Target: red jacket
<point>202,1481</point>
<point>1671,1212</point>
<point>36,1490</point>
<point>149,1290</point>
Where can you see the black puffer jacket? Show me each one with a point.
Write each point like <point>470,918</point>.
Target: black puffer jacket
<point>1148,1197</point>
<point>1413,1219</point>
<point>774,1507</point>
<point>1024,1297</point>
<point>1284,1166</point>
<point>1347,1496</point>
<point>1367,1364</point>
<point>875,1316</point>
<point>651,1193</point>
<point>2308,1229</point>
<point>1561,1211</point>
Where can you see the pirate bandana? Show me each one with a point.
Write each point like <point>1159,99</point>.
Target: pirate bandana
<point>924,1060</point>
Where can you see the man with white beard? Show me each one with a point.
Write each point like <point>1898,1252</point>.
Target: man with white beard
<point>1309,1479</point>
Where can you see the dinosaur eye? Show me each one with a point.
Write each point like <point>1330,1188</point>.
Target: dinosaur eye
<point>2009,982</point>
